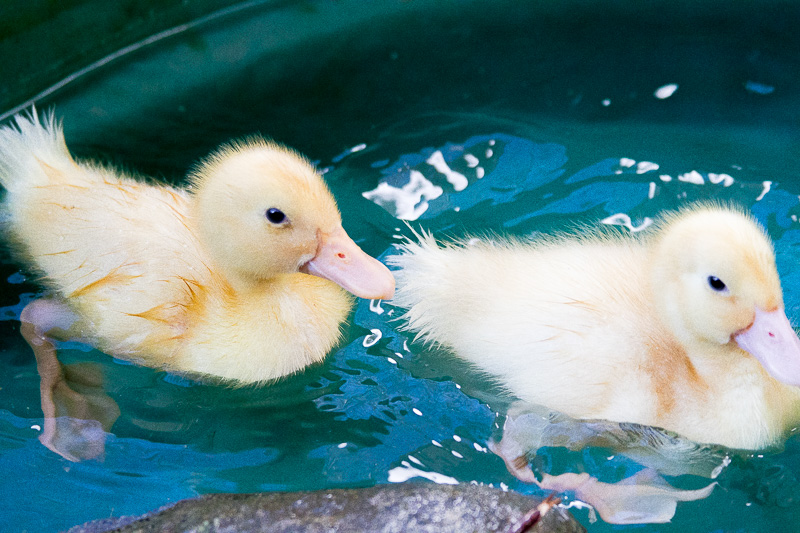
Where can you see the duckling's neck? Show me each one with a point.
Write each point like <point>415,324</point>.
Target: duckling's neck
<point>668,310</point>
<point>245,285</point>
<point>288,297</point>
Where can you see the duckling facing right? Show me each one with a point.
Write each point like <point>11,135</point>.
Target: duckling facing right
<point>211,281</point>
<point>681,327</point>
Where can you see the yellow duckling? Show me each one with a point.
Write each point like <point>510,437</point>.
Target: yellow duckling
<point>214,280</point>
<point>681,327</point>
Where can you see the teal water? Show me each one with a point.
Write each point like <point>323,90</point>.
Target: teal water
<point>555,104</point>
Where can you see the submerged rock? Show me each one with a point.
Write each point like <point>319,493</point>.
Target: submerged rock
<point>384,508</point>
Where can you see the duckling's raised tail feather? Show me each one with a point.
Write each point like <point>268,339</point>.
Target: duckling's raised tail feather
<point>28,145</point>
<point>421,276</point>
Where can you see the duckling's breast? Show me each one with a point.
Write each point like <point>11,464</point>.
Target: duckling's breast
<point>280,327</point>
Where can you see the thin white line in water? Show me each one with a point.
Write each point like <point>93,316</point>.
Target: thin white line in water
<point>767,186</point>
<point>132,48</point>
<point>401,474</point>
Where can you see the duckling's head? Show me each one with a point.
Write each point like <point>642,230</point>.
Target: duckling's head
<point>714,280</point>
<point>262,210</point>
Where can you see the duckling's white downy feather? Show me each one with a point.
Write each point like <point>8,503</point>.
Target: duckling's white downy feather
<point>25,147</point>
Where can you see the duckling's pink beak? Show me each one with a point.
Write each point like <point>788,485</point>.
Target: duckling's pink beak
<point>772,340</point>
<point>340,260</point>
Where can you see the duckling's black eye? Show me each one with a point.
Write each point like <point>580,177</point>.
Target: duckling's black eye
<point>276,216</point>
<point>715,283</point>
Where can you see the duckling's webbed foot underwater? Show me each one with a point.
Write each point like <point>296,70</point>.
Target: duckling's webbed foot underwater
<point>78,414</point>
<point>644,497</point>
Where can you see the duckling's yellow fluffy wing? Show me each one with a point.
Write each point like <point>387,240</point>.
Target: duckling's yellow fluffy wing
<point>118,249</point>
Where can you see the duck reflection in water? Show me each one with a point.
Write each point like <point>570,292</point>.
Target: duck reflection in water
<point>78,414</point>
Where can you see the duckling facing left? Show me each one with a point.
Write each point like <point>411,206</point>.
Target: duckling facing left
<point>239,277</point>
